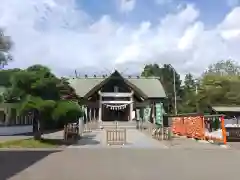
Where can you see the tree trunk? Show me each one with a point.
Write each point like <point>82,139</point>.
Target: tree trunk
<point>36,125</point>
<point>38,134</point>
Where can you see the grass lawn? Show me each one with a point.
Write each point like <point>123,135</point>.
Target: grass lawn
<point>31,143</point>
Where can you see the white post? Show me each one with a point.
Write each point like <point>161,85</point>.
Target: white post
<point>94,114</point>
<point>90,114</point>
<point>131,107</point>
<point>100,108</point>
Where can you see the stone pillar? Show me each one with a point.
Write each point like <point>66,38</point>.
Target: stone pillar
<point>131,107</point>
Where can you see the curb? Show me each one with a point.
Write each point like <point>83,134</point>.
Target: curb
<point>224,146</point>
<point>209,142</point>
<point>204,141</point>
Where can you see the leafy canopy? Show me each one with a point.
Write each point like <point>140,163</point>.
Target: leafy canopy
<point>166,76</point>
<point>218,85</point>
<point>39,90</point>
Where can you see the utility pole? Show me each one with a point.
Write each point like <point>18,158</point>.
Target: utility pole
<point>76,75</point>
<point>174,89</point>
<point>196,93</point>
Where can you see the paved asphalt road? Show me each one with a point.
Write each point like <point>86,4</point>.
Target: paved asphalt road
<point>121,164</point>
<point>183,159</point>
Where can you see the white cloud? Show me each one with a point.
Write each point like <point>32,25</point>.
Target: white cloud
<point>127,5</point>
<point>231,25</point>
<point>57,34</point>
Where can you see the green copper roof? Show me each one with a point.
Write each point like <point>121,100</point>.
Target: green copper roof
<point>226,108</point>
<point>149,86</point>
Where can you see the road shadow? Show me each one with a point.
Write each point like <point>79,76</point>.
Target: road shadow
<point>87,139</point>
<point>30,134</point>
<point>52,131</point>
<point>13,162</point>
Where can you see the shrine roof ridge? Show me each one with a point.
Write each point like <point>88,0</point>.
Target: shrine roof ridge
<point>152,87</point>
<point>126,77</point>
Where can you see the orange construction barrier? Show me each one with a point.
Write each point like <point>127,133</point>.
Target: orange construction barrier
<point>194,127</point>
<point>190,125</point>
<point>198,126</point>
<point>177,123</point>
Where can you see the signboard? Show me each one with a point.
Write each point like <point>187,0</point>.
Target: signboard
<point>147,114</point>
<point>159,114</point>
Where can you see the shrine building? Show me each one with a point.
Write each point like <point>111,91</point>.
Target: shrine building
<point>114,97</point>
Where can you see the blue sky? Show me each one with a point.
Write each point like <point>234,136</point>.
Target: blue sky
<point>94,35</point>
<point>212,11</point>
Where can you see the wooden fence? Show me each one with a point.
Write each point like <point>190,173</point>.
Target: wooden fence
<point>116,136</point>
<point>71,131</point>
<point>162,133</point>
<point>159,133</point>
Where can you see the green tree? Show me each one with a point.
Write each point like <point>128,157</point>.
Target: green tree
<point>189,82</point>
<point>165,75</point>
<point>224,67</point>
<point>66,110</point>
<point>220,85</point>
<point>189,100</point>
<point>151,70</point>
<point>220,90</point>
<point>5,46</point>
<point>6,75</point>
<point>41,93</point>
